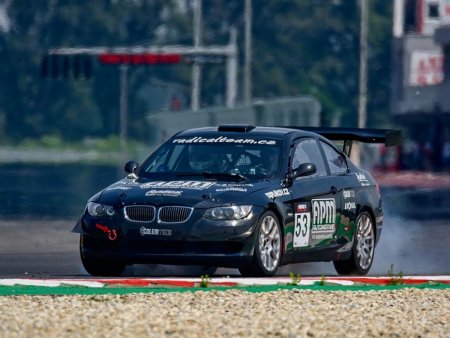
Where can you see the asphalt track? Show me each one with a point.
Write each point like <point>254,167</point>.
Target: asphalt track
<point>47,249</point>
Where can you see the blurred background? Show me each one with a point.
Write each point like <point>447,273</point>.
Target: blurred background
<point>87,85</point>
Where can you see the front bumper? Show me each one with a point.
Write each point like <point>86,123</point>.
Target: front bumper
<point>197,242</point>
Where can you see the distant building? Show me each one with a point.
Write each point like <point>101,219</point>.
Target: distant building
<point>420,97</point>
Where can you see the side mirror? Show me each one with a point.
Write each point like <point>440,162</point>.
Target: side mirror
<point>131,166</point>
<point>305,169</point>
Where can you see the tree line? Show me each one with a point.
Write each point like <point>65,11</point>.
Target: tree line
<point>300,47</point>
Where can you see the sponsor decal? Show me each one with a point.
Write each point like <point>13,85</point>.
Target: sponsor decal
<point>232,189</point>
<point>324,211</point>
<point>194,185</point>
<point>221,187</point>
<point>362,179</point>
<point>349,205</point>
<point>234,185</point>
<point>301,208</point>
<point>164,193</point>
<point>122,183</point>
<point>322,236</point>
<point>118,187</point>
<point>318,226</point>
<point>324,216</point>
<point>301,230</point>
<point>379,219</point>
<point>155,232</point>
<point>277,193</point>
<point>223,139</point>
<point>348,194</point>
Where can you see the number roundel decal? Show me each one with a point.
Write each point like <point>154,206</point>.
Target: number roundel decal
<point>301,231</point>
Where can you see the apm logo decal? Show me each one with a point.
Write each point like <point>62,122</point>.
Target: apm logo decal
<point>324,217</point>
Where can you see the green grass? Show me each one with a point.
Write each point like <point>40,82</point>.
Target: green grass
<point>322,280</point>
<point>395,279</point>
<point>295,279</point>
<point>205,280</point>
<point>106,150</point>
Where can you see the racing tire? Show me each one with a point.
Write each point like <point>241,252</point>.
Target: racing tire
<point>99,266</point>
<point>267,252</point>
<point>363,249</point>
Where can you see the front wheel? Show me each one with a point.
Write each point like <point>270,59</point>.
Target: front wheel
<point>267,253</point>
<point>363,249</point>
<point>100,267</point>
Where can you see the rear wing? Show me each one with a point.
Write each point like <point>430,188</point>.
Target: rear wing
<point>389,137</point>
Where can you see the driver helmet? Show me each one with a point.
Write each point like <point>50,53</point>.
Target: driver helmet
<point>270,158</point>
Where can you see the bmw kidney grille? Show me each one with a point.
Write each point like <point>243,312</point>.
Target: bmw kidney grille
<point>174,214</point>
<point>139,213</point>
<point>167,214</point>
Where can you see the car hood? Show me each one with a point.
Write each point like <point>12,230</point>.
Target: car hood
<point>198,193</point>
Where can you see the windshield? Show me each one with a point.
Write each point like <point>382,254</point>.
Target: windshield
<point>253,161</point>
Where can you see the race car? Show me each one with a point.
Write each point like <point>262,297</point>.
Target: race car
<point>240,196</point>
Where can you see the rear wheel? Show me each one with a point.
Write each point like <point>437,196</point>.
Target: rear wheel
<point>267,254</point>
<point>363,249</point>
<point>100,266</point>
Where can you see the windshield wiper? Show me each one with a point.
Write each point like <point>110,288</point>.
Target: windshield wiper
<point>209,174</point>
<point>233,176</point>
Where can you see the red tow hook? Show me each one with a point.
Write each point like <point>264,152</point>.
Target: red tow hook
<point>112,234</point>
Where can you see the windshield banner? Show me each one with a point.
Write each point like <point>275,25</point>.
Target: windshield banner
<point>223,139</point>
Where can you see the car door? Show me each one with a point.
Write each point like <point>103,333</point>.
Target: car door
<point>344,182</point>
<point>316,198</point>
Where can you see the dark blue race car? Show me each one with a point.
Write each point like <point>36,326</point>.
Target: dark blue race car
<point>240,196</point>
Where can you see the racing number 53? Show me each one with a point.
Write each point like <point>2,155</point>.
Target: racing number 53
<point>301,230</point>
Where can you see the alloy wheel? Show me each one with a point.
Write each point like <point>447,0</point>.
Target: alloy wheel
<point>270,243</point>
<point>365,241</point>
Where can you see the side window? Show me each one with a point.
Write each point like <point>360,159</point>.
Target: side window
<point>336,162</point>
<point>307,151</point>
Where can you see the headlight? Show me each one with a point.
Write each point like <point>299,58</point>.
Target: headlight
<point>228,213</point>
<point>97,209</point>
